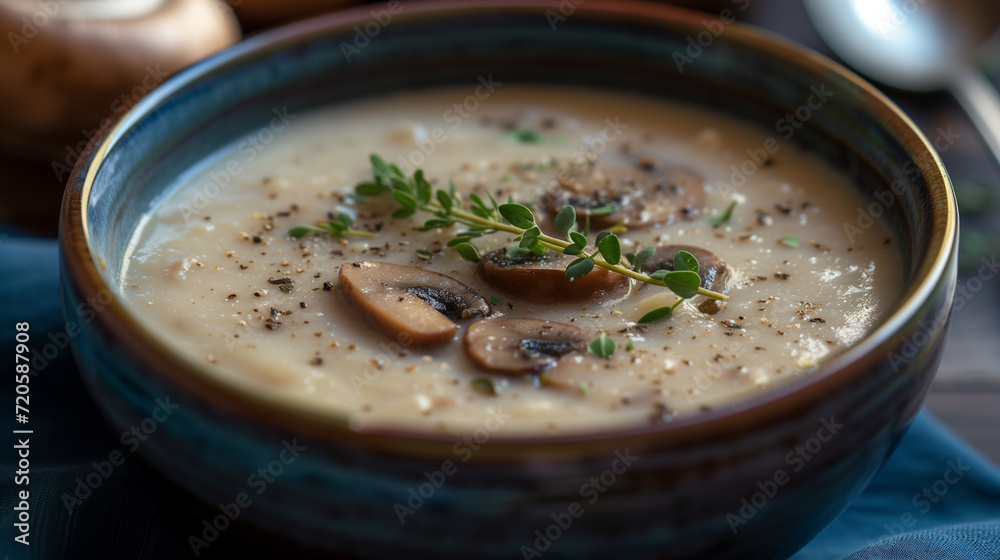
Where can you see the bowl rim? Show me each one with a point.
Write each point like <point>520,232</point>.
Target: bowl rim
<point>81,263</point>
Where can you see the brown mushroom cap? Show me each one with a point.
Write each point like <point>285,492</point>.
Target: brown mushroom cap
<point>514,346</point>
<point>643,197</point>
<point>714,271</point>
<point>76,66</point>
<point>542,278</point>
<point>408,301</point>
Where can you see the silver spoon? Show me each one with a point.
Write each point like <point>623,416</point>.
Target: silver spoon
<point>919,45</point>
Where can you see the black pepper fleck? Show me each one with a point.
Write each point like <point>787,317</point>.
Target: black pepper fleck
<point>661,413</point>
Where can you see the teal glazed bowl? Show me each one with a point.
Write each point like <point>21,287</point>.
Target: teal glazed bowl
<point>729,483</point>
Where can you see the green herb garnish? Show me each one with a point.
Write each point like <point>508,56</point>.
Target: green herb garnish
<point>495,300</point>
<point>424,254</point>
<point>468,252</point>
<point>790,241</point>
<point>603,346</point>
<point>659,313</point>
<point>341,227</point>
<point>630,345</point>
<point>725,216</point>
<point>483,217</point>
<point>484,385</point>
<point>525,136</point>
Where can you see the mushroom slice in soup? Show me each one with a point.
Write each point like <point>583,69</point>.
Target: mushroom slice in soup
<point>516,346</point>
<point>714,271</point>
<point>408,301</point>
<point>542,278</point>
<point>641,196</point>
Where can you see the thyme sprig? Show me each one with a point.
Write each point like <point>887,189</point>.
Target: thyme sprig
<point>484,217</point>
<point>340,227</point>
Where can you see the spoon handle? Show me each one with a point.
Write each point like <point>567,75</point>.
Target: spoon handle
<point>982,102</point>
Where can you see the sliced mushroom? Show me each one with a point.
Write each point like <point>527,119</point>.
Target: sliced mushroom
<point>714,271</point>
<point>643,195</point>
<point>410,301</point>
<point>514,346</point>
<point>542,278</point>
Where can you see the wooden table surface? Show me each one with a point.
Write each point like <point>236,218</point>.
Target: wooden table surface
<point>966,393</point>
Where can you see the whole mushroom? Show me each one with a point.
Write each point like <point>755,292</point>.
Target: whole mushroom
<point>73,66</point>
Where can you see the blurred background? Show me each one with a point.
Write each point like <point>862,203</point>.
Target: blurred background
<point>73,67</point>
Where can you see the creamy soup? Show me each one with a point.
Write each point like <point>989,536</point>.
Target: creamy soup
<point>322,321</point>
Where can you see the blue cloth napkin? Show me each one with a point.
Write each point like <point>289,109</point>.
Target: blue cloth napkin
<point>937,498</point>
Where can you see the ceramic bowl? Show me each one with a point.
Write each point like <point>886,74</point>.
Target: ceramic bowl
<point>757,480</point>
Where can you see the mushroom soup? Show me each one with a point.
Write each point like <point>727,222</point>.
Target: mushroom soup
<point>390,326</point>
